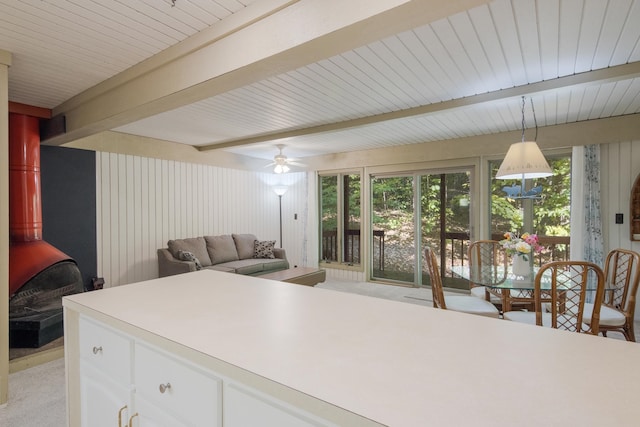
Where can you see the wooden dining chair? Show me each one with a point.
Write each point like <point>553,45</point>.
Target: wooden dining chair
<point>486,257</point>
<point>463,303</point>
<point>561,304</point>
<point>622,276</point>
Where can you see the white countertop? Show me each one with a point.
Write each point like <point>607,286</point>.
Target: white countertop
<point>396,363</point>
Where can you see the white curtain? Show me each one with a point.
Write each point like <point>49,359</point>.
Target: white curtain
<point>586,223</point>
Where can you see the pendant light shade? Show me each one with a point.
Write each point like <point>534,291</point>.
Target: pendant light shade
<point>524,160</point>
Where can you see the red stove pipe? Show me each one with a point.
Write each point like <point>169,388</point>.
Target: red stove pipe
<point>28,253</point>
<point>25,209</point>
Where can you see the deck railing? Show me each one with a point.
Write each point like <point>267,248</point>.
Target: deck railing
<point>457,243</point>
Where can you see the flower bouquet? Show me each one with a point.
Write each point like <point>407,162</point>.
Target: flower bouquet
<point>521,244</point>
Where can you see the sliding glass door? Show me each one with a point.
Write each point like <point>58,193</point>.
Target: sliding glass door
<point>445,222</point>
<point>412,211</point>
<point>393,225</point>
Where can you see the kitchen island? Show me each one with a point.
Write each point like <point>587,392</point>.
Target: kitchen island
<point>219,349</point>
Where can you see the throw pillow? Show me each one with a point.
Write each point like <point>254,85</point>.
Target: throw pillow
<point>196,245</point>
<point>264,248</point>
<point>188,256</point>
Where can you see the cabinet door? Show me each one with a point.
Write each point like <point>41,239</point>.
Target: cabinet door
<point>244,407</point>
<point>182,390</point>
<point>147,414</point>
<point>106,349</point>
<point>103,400</point>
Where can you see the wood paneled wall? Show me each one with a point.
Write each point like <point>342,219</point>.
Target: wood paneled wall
<point>620,167</point>
<point>143,202</point>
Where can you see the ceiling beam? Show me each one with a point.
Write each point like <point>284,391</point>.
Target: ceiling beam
<point>597,77</point>
<point>550,138</point>
<point>252,45</point>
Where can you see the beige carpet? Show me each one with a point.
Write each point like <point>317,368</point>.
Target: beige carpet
<point>36,397</point>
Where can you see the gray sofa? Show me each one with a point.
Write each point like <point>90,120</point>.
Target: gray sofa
<point>234,253</point>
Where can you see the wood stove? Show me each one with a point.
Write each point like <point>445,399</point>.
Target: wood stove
<point>39,274</point>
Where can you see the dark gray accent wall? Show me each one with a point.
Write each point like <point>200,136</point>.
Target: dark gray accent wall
<point>68,178</point>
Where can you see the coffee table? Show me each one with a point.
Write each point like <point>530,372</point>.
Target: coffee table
<point>307,276</point>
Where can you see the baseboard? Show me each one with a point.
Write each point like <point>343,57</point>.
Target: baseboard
<point>42,357</point>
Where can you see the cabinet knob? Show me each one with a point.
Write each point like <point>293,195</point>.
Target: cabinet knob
<point>97,350</point>
<point>164,387</point>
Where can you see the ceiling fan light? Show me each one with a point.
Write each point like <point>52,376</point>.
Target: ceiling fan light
<point>281,169</point>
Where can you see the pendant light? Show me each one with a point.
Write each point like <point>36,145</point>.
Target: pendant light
<point>524,160</point>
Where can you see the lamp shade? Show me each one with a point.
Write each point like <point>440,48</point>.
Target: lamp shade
<point>524,160</point>
<point>280,190</point>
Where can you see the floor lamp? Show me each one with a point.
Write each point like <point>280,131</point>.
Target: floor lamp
<point>280,192</point>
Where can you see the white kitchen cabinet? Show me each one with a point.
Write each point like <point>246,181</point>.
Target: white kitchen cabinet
<point>277,354</point>
<point>105,370</point>
<point>104,400</point>
<point>126,382</point>
<point>182,391</point>
<point>245,407</point>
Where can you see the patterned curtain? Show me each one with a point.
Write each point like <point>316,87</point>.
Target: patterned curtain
<point>592,232</point>
<point>586,223</point>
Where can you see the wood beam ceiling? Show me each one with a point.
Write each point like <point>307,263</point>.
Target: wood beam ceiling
<point>276,36</point>
<point>621,72</point>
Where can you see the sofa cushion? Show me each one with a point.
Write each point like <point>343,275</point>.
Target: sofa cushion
<point>221,248</point>
<point>196,245</point>
<point>244,245</point>
<point>221,267</point>
<point>245,266</point>
<point>264,249</point>
<point>269,265</point>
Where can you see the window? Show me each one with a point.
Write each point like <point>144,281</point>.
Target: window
<point>547,216</point>
<point>340,219</point>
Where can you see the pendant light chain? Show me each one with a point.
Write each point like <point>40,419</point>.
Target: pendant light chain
<point>523,124</point>
<point>535,120</point>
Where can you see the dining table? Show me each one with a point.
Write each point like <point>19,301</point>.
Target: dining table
<point>505,284</point>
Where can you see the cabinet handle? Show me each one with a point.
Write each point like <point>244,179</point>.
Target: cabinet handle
<point>131,419</point>
<point>97,350</point>
<point>120,415</point>
<point>164,387</point>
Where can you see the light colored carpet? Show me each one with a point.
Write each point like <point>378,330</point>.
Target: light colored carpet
<point>37,397</point>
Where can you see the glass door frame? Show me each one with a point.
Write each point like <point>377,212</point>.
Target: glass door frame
<point>472,168</point>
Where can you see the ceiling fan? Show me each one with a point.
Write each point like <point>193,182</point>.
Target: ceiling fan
<point>281,162</point>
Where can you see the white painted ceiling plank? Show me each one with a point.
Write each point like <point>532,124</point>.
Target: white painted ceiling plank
<point>509,40</point>
<point>591,28</point>
<point>548,29</point>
